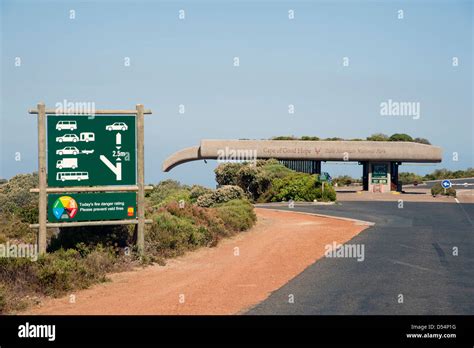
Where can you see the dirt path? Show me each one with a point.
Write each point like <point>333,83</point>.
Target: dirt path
<point>237,274</point>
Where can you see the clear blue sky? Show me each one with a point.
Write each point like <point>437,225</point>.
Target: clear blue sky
<point>282,62</point>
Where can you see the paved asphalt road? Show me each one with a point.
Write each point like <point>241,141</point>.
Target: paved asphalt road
<point>409,251</point>
<point>458,184</point>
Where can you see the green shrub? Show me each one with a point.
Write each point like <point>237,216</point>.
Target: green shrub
<point>226,173</point>
<point>206,200</point>
<point>177,229</point>
<point>221,195</point>
<point>167,190</point>
<point>274,169</point>
<point>66,270</point>
<point>197,191</point>
<point>12,227</point>
<point>344,180</point>
<point>297,186</point>
<point>19,207</point>
<point>81,256</point>
<point>422,141</point>
<point>440,174</point>
<point>378,137</point>
<point>177,196</point>
<point>254,179</point>
<point>328,194</point>
<point>268,180</point>
<point>400,137</point>
<point>311,138</point>
<point>54,274</point>
<point>15,194</point>
<point>300,187</point>
<point>238,215</point>
<point>410,178</point>
<point>90,236</point>
<point>437,189</point>
<point>285,137</point>
<point>20,271</point>
<point>171,235</point>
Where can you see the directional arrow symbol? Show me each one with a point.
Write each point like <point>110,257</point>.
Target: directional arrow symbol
<point>118,139</point>
<point>116,169</point>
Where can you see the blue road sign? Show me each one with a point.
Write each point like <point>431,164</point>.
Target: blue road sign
<point>446,183</point>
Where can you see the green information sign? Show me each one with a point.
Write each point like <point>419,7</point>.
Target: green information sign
<point>379,173</point>
<point>70,207</point>
<point>324,176</point>
<point>91,150</point>
<point>379,170</point>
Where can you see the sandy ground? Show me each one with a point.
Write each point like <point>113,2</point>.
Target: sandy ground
<point>237,274</point>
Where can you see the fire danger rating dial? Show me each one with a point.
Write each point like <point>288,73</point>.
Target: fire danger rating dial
<point>65,207</point>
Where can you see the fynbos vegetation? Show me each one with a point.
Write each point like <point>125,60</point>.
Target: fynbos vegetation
<point>270,181</point>
<point>80,256</point>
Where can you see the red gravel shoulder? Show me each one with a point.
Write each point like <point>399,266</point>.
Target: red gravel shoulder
<point>237,274</point>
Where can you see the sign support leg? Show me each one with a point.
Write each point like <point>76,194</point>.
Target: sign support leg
<point>141,180</point>
<point>42,215</point>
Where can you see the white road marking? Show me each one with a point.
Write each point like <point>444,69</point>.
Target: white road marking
<point>418,249</point>
<point>414,266</point>
<point>465,213</point>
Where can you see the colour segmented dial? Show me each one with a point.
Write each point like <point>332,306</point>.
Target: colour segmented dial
<point>65,207</point>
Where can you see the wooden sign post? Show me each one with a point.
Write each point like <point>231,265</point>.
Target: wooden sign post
<point>79,163</point>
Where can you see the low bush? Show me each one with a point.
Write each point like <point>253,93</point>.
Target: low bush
<point>297,186</point>
<point>270,181</point>
<point>54,274</point>
<point>301,187</point>
<point>15,195</point>
<point>166,191</point>
<point>221,195</point>
<point>18,208</point>
<point>238,215</point>
<point>440,174</point>
<point>410,178</point>
<point>13,228</point>
<point>226,173</point>
<point>198,191</point>
<point>326,195</point>
<point>344,180</point>
<point>177,229</point>
<point>118,236</point>
<point>81,256</point>
<point>437,189</point>
<point>254,178</point>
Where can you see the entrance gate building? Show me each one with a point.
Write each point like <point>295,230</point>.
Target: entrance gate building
<point>380,160</point>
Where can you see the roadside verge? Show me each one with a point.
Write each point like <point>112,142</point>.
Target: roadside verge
<point>237,274</point>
